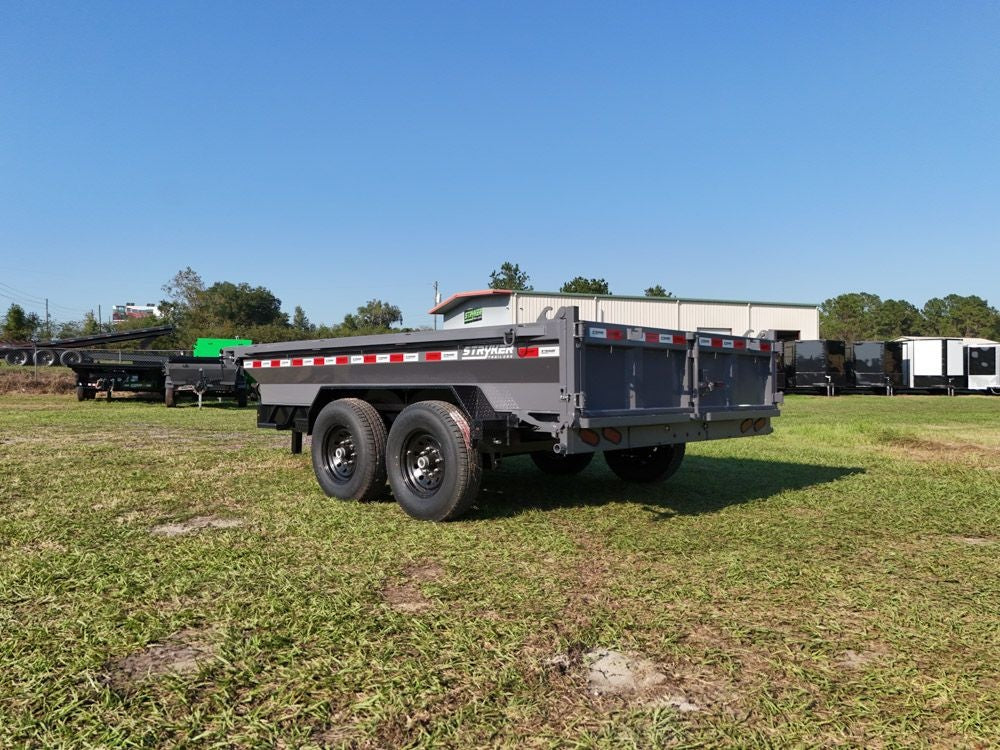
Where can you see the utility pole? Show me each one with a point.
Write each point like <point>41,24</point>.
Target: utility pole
<point>99,321</point>
<point>437,301</point>
<point>48,320</point>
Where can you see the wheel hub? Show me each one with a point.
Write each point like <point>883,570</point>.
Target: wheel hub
<point>341,454</point>
<point>423,462</point>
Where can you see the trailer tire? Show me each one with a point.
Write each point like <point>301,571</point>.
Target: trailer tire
<point>561,464</point>
<point>646,464</point>
<point>70,358</point>
<point>348,450</point>
<point>81,393</point>
<point>170,397</point>
<point>45,358</point>
<point>241,397</point>
<point>17,357</point>
<point>434,469</point>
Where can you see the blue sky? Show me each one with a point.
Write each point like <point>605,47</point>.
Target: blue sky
<point>339,152</point>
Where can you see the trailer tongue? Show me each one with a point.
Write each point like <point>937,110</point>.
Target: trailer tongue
<point>427,410</point>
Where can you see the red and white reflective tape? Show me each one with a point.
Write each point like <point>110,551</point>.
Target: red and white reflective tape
<point>665,338</point>
<point>612,334</point>
<point>636,334</point>
<point>474,353</point>
<point>720,343</point>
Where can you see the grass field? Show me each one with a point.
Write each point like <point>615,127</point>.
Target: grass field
<point>175,577</point>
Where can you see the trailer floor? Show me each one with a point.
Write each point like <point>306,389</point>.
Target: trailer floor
<point>174,576</point>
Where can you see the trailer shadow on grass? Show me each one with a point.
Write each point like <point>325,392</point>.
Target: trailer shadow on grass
<point>704,484</point>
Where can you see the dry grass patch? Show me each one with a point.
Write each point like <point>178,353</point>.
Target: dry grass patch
<point>198,523</point>
<point>406,595</point>
<point>182,653</point>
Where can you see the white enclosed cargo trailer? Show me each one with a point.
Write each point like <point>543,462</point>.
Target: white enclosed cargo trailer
<point>983,367</point>
<point>933,363</point>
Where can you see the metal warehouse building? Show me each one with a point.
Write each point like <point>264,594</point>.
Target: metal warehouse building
<point>789,320</point>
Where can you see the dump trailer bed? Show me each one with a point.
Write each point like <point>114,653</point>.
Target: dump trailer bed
<point>427,410</point>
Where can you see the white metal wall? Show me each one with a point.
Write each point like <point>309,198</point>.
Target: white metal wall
<point>683,315</point>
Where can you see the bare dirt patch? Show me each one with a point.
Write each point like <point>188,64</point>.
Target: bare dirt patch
<point>617,676</point>
<point>406,596</point>
<point>182,653</point>
<point>851,660</point>
<point>922,449</point>
<point>975,541</point>
<point>192,525</point>
<point>615,673</point>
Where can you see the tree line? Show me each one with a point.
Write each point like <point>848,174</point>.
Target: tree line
<point>230,310</point>
<point>510,276</point>
<point>862,316</point>
<point>220,310</point>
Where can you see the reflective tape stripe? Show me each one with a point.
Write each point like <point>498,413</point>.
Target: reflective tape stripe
<point>490,352</point>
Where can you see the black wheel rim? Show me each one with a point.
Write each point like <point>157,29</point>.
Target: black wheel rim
<point>340,454</point>
<point>423,464</point>
<point>644,456</point>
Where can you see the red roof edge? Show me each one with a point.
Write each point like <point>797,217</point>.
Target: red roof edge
<point>442,306</point>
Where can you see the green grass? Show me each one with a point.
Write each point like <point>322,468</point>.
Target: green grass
<point>837,582</point>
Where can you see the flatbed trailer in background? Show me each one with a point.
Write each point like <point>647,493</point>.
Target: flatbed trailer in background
<point>428,410</point>
<point>67,351</point>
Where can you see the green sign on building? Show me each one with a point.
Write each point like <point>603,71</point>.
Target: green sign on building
<point>473,315</point>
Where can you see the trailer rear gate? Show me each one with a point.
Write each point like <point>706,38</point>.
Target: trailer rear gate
<point>560,389</point>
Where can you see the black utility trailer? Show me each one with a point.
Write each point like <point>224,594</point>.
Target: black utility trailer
<point>203,376</point>
<point>428,410</point>
<point>167,373</point>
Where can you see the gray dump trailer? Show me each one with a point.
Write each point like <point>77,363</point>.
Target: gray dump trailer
<point>429,410</point>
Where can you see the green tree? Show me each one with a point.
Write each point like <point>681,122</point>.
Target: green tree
<point>239,304</point>
<point>18,325</point>
<point>581,285</point>
<point>510,276</point>
<point>90,325</point>
<point>300,322</point>
<point>184,287</point>
<point>849,317</point>
<point>374,315</point>
<point>658,291</point>
<point>955,315</point>
<point>895,318</point>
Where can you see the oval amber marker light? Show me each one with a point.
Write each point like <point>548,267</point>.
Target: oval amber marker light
<point>590,437</point>
<point>612,435</point>
<point>760,424</point>
<point>745,425</point>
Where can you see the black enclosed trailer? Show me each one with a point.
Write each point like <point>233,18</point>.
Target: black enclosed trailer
<point>428,410</point>
<point>875,365</point>
<point>815,366</point>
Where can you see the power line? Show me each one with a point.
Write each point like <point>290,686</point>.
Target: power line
<point>31,299</point>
